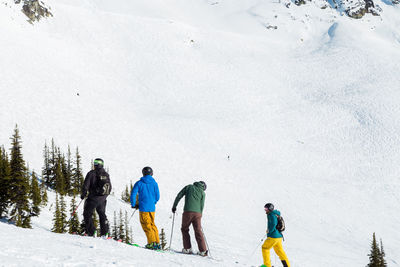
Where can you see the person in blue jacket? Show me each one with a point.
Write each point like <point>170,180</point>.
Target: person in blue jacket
<point>149,194</point>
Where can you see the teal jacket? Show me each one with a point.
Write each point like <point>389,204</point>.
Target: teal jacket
<point>272,222</point>
<point>194,197</point>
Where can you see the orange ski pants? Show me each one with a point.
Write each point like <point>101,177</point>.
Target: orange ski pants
<point>149,227</point>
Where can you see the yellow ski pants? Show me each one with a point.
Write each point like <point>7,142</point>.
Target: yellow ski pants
<point>149,227</point>
<point>275,243</point>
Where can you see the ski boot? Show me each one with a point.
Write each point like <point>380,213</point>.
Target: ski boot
<point>156,246</point>
<point>187,251</point>
<point>203,253</point>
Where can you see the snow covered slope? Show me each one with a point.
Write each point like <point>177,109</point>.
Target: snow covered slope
<point>304,101</point>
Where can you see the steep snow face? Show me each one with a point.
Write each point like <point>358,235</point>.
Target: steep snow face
<point>303,101</point>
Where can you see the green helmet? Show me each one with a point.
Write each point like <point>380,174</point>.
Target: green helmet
<point>98,162</point>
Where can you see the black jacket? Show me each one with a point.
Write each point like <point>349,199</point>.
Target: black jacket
<point>89,186</point>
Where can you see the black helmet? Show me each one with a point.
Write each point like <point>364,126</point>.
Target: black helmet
<point>98,162</point>
<point>269,206</point>
<point>147,171</point>
<point>204,185</point>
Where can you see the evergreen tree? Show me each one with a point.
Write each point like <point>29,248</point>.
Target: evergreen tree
<point>121,227</point>
<point>126,196</point>
<point>374,256</point>
<point>82,228</point>
<point>52,165</point>
<point>68,173</point>
<point>19,184</point>
<point>46,170</point>
<point>114,233</point>
<point>35,195</point>
<point>59,178</point>
<point>163,239</point>
<point>73,223</point>
<point>131,237</point>
<point>77,176</point>
<point>96,224</point>
<point>63,214</point>
<point>382,255</point>
<point>5,177</point>
<point>127,234</point>
<point>57,221</point>
<point>43,193</point>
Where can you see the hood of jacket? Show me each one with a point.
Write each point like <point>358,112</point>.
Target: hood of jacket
<point>199,185</point>
<point>275,212</point>
<point>148,179</point>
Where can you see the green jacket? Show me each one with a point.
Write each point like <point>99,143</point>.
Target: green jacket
<point>194,197</point>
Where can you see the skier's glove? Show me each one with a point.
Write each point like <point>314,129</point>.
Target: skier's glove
<point>173,210</point>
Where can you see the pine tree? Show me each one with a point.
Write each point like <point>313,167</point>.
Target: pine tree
<point>59,177</point>
<point>82,228</point>
<point>35,195</point>
<point>73,224</point>
<point>52,165</point>
<point>19,184</point>
<point>131,237</point>
<point>127,234</point>
<point>126,195</point>
<point>115,227</point>
<point>96,223</point>
<point>46,170</point>
<point>63,214</point>
<point>382,255</point>
<point>77,176</point>
<point>5,176</point>
<point>57,223</point>
<point>374,256</point>
<point>68,173</point>
<point>121,227</point>
<point>43,193</point>
<point>163,239</point>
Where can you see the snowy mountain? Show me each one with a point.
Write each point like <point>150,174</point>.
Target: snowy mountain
<point>305,102</point>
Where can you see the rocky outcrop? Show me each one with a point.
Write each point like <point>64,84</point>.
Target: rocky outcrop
<point>34,10</point>
<point>358,8</point>
<point>353,8</point>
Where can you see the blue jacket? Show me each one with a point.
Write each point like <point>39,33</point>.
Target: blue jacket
<point>149,194</point>
<point>272,222</point>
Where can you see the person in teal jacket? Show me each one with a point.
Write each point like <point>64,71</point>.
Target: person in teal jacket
<point>274,238</point>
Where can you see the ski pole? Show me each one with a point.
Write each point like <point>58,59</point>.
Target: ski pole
<point>132,215</point>
<point>205,239</point>
<point>72,215</point>
<point>262,240</point>
<point>172,231</point>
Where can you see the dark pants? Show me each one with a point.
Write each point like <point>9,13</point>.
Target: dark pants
<point>100,205</point>
<point>194,218</point>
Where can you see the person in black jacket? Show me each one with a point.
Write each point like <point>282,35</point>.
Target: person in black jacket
<point>96,188</point>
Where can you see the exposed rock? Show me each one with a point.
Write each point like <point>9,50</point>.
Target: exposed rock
<point>34,10</point>
<point>353,8</point>
<point>299,2</point>
<point>358,8</point>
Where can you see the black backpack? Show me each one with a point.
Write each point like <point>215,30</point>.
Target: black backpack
<point>103,185</point>
<point>281,224</point>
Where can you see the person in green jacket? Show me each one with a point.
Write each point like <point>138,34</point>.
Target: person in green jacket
<point>193,210</point>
